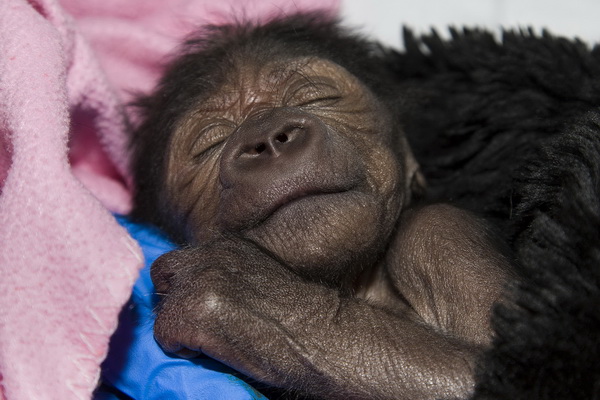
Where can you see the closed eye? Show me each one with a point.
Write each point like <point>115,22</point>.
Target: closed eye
<point>207,150</point>
<point>314,91</point>
<point>210,138</point>
<point>322,101</point>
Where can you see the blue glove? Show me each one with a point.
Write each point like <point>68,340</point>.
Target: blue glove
<point>137,366</point>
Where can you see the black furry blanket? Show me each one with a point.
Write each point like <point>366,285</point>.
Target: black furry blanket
<point>511,130</point>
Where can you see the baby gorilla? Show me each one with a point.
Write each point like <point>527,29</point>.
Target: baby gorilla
<point>275,154</point>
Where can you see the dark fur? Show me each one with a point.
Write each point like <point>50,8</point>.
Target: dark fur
<point>512,129</point>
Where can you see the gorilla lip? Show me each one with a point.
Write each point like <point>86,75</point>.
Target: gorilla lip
<point>263,200</point>
<point>300,195</point>
<point>287,196</point>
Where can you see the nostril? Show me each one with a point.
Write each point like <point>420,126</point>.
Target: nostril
<point>263,141</point>
<point>259,148</point>
<point>282,138</point>
<point>262,147</point>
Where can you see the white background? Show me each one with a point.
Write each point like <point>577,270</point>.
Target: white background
<point>384,18</point>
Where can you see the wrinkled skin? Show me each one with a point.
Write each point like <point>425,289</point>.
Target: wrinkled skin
<point>325,190</point>
<point>305,269</point>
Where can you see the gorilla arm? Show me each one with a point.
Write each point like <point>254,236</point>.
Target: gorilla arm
<point>450,268</point>
<point>232,301</point>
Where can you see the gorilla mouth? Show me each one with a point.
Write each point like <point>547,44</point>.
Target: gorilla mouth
<point>283,201</point>
<point>301,194</point>
<point>294,194</point>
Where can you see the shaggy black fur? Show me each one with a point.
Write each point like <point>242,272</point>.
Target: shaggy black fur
<point>511,129</point>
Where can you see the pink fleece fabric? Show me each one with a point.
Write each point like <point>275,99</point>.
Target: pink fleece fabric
<point>66,267</point>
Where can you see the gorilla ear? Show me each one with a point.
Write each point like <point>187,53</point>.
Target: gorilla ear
<point>415,183</point>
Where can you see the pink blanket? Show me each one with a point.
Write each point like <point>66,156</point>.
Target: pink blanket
<point>66,267</point>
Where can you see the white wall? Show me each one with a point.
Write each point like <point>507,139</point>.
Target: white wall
<point>383,18</point>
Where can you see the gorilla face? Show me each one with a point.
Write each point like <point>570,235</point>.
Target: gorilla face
<point>294,156</point>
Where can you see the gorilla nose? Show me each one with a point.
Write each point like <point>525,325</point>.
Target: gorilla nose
<point>272,145</point>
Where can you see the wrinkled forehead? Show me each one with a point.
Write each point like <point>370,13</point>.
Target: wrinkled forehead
<point>252,81</point>
<point>279,72</point>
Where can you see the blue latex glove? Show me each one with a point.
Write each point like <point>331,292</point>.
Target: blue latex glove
<point>137,366</point>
